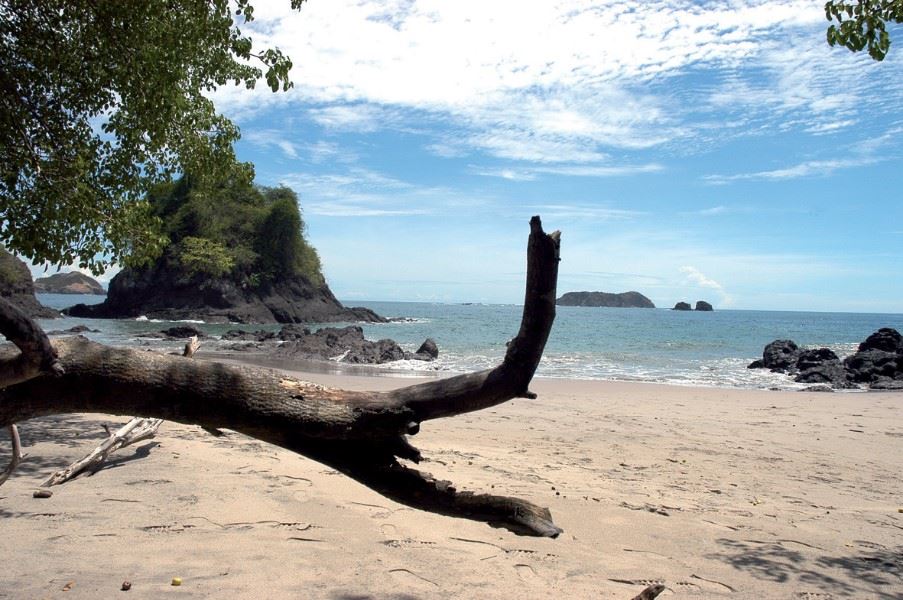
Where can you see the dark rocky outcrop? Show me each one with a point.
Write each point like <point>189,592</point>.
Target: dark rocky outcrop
<point>779,355</point>
<point>622,300</point>
<point>429,348</point>
<point>346,345</point>
<point>68,283</point>
<point>179,332</point>
<point>871,366</point>
<point>165,294</point>
<point>878,363</point>
<point>682,306</point>
<point>73,330</point>
<point>17,287</point>
<point>886,339</point>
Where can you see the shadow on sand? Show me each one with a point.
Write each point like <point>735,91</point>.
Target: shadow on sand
<point>870,569</point>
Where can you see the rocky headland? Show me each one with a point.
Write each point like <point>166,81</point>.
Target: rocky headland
<point>17,287</point>
<point>605,299</point>
<point>161,293</point>
<point>877,363</point>
<point>68,283</point>
<point>236,253</point>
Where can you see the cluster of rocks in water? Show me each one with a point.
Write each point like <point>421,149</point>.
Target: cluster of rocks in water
<point>344,344</point>
<point>701,305</point>
<point>878,363</point>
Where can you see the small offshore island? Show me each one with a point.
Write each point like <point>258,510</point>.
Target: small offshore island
<point>605,299</point>
<point>68,283</point>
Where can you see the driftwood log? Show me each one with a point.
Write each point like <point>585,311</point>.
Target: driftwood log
<point>361,434</point>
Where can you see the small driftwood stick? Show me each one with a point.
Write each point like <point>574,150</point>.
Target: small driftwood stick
<point>136,430</point>
<point>191,347</point>
<point>361,434</point>
<point>17,456</point>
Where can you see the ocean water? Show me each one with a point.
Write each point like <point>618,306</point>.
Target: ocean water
<point>627,344</point>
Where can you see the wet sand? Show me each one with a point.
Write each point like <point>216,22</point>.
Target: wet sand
<point>715,493</point>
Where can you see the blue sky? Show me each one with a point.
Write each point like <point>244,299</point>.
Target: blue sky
<point>686,150</point>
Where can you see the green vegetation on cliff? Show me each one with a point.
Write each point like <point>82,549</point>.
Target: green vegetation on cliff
<point>251,234</point>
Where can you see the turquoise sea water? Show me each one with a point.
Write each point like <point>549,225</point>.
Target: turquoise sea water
<point>630,344</point>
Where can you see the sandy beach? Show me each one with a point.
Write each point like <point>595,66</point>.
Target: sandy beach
<point>712,492</point>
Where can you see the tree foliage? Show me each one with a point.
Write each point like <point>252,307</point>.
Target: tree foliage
<point>100,100</point>
<point>252,234</point>
<point>862,24</point>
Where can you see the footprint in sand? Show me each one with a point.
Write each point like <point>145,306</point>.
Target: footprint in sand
<point>388,529</point>
<point>163,529</point>
<point>527,573</point>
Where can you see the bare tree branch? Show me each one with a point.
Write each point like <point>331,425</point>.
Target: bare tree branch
<point>17,455</point>
<point>361,434</point>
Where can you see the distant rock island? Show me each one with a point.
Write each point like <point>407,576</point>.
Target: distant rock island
<point>622,300</point>
<point>17,287</point>
<point>701,305</point>
<point>68,283</point>
<point>236,253</point>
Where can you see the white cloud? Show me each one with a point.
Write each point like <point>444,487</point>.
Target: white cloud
<point>812,168</point>
<point>584,212</point>
<point>563,82</point>
<point>694,276</point>
<point>594,170</point>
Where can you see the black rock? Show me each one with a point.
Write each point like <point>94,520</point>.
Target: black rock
<point>829,372</point>
<point>375,353</point>
<point>292,332</point>
<point>163,292</point>
<point>248,336</point>
<point>176,333</point>
<point>812,358</point>
<point>883,383</point>
<point>622,300</point>
<point>756,364</point>
<point>779,355</point>
<point>818,388</point>
<point>345,344</point>
<point>74,329</point>
<point>682,306</point>
<point>886,339</point>
<point>704,306</point>
<point>17,288</point>
<point>429,348</point>
<point>871,365</point>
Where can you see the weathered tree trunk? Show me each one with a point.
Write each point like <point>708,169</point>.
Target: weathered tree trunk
<point>361,434</point>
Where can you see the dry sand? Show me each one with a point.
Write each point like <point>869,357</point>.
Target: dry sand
<point>715,493</point>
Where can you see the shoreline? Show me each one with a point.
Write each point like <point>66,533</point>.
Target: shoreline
<point>716,493</point>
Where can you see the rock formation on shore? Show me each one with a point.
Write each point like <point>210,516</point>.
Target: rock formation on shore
<point>622,300</point>
<point>17,287</point>
<point>161,293</point>
<point>236,253</point>
<point>68,283</point>
<point>878,363</point>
